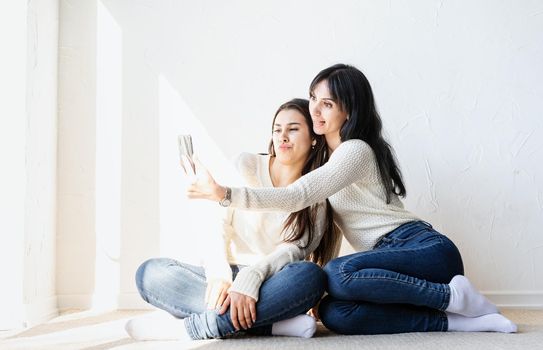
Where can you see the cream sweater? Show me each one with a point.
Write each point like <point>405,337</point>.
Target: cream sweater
<point>352,183</point>
<point>255,239</point>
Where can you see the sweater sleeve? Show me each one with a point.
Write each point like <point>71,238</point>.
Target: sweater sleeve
<point>351,162</point>
<point>249,279</point>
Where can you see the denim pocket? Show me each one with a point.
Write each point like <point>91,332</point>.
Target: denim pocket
<point>415,232</point>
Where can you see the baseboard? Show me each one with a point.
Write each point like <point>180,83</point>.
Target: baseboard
<point>132,301</point>
<point>516,300</point>
<point>125,301</point>
<point>41,310</point>
<point>74,301</point>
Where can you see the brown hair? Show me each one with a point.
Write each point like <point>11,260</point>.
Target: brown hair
<point>304,220</point>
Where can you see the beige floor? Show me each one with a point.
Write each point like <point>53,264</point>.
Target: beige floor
<point>94,331</point>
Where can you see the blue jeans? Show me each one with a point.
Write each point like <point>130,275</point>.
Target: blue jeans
<point>179,289</point>
<point>399,286</point>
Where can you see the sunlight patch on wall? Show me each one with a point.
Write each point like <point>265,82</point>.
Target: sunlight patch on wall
<point>108,158</point>
<point>186,225</point>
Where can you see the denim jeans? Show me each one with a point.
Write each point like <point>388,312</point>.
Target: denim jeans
<point>179,289</point>
<point>399,286</point>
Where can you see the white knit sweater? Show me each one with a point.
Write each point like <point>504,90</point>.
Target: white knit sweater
<point>255,239</point>
<point>352,183</point>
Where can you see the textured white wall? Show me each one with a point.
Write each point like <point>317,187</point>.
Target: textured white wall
<point>41,160</point>
<point>458,85</point>
<point>76,239</point>
<point>28,153</point>
<point>13,31</point>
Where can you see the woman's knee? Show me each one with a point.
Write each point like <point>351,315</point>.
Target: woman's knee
<point>314,271</point>
<point>335,277</point>
<point>309,274</point>
<point>332,268</point>
<point>148,272</point>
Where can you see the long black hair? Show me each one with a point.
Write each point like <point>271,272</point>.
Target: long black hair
<point>350,87</point>
<point>299,222</point>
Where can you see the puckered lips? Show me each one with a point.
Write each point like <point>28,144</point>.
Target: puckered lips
<point>285,147</point>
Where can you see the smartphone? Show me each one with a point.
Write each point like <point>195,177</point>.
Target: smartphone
<point>186,152</point>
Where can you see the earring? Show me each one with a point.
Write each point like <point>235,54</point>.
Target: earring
<point>313,144</point>
<point>347,117</point>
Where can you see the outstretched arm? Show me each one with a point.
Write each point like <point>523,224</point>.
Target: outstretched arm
<point>350,162</point>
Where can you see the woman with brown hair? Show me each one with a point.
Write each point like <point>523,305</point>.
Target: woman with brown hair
<point>254,286</point>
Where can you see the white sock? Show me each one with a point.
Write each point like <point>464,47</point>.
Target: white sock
<point>485,323</point>
<point>303,326</point>
<point>158,325</point>
<point>466,300</point>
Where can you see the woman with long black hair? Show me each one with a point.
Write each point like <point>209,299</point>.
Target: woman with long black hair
<point>405,276</point>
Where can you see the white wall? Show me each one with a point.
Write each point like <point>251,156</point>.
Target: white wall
<point>12,152</point>
<point>28,153</point>
<point>457,84</point>
<point>41,161</point>
<point>76,239</point>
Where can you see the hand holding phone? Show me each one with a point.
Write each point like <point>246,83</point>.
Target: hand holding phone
<point>186,153</point>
